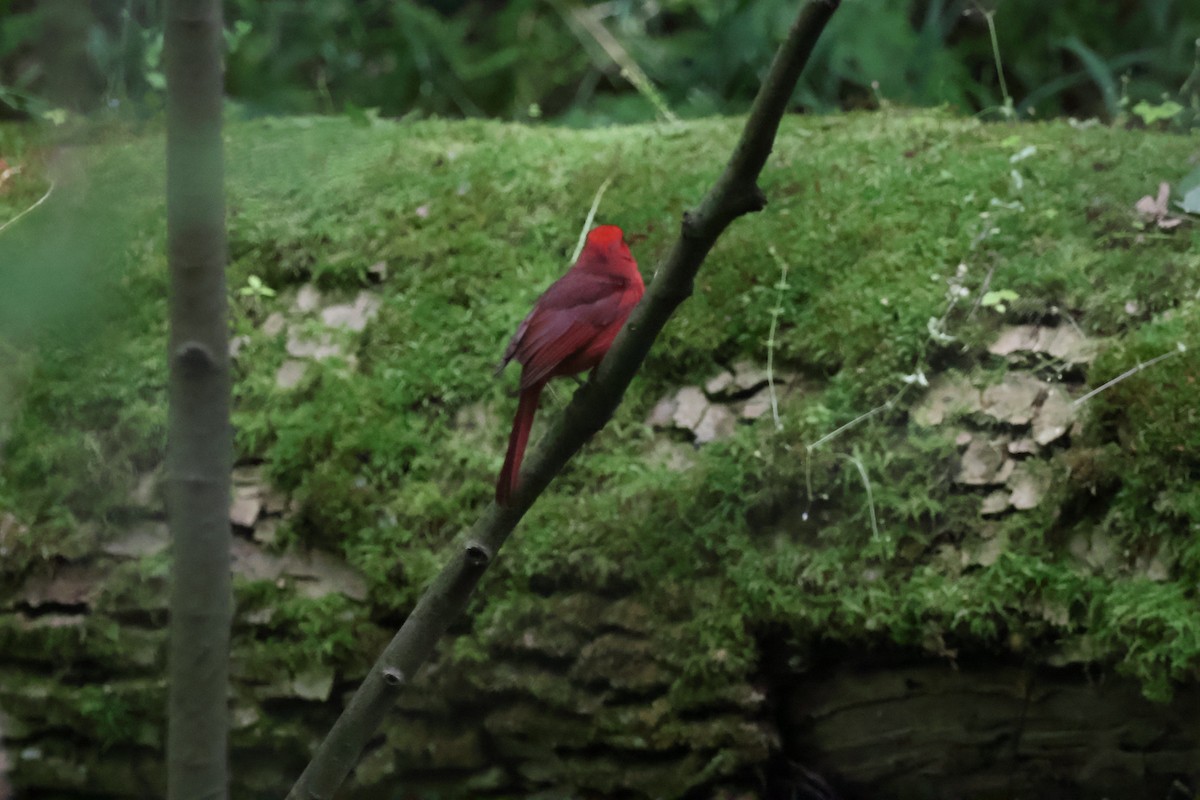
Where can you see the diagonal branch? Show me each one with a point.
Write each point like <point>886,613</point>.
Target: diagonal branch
<point>735,193</point>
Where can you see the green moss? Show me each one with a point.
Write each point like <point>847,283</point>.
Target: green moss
<point>138,587</point>
<point>872,213</point>
<point>126,712</point>
<point>69,640</point>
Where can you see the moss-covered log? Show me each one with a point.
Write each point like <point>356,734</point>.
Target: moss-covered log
<point>662,623</point>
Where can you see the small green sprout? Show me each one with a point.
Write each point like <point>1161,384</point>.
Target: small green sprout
<point>999,299</point>
<point>256,288</point>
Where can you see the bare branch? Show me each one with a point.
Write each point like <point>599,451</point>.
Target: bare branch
<point>735,193</point>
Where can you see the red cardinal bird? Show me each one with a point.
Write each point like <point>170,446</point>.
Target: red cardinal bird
<point>571,327</point>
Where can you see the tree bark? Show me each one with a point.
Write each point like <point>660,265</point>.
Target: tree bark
<point>735,193</point>
<point>199,439</point>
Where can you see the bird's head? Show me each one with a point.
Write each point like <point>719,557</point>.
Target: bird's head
<point>606,251</point>
<point>605,236</point>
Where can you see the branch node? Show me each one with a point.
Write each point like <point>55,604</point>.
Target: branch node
<point>745,200</point>
<point>194,357</point>
<point>478,554</point>
<point>757,200</point>
<point>393,677</point>
<point>690,229</point>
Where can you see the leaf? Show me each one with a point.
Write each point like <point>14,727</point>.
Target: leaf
<point>363,117</point>
<point>937,332</point>
<point>1189,188</point>
<point>1100,71</point>
<point>1155,209</point>
<point>234,36</point>
<point>1022,154</point>
<point>256,288</point>
<point>1150,113</point>
<point>998,298</point>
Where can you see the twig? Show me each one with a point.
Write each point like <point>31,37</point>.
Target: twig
<point>862,473</point>
<point>735,193</point>
<point>1129,373</point>
<point>591,215</point>
<point>1067,316</point>
<point>983,290</point>
<point>989,16</point>
<point>991,23</point>
<point>775,312</point>
<point>860,418</point>
<point>809,448</point>
<point>41,200</point>
<point>585,18</point>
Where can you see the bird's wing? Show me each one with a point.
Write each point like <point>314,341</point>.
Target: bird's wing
<point>574,296</point>
<point>553,338</point>
<point>584,293</point>
<point>589,299</point>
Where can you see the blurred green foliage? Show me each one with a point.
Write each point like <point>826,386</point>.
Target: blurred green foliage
<point>525,59</point>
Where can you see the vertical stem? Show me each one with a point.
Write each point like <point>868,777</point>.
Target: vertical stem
<point>199,446</point>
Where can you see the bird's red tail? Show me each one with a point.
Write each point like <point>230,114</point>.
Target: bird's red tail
<point>522,423</point>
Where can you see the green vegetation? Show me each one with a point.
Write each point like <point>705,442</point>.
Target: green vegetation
<point>533,59</point>
<point>389,450</point>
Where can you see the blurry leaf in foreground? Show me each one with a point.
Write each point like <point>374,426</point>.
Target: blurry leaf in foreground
<point>61,261</point>
<point>1189,188</point>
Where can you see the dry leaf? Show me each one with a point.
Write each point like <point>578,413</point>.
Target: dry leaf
<point>1156,210</point>
<point>1014,399</point>
<point>1065,342</point>
<point>690,405</point>
<point>1054,418</point>
<point>994,503</point>
<point>718,422</point>
<point>1029,485</point>
<point>983,464</point>
<point>948,396</point>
